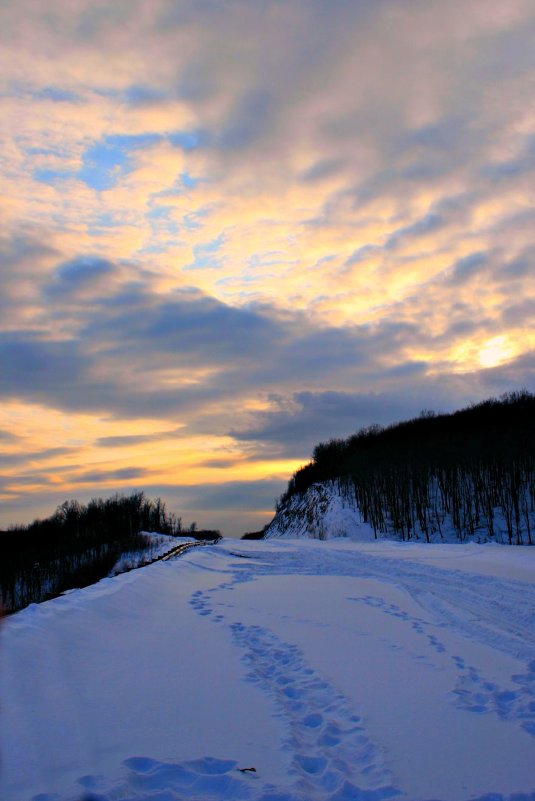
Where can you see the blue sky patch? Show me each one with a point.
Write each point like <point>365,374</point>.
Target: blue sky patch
<point>101,222</point>
<point>159,213</point>
<point>47,176</point>
<point>188,181</point>
<point>204,254</point>
<point>108,160</point>
<point>57,95</point>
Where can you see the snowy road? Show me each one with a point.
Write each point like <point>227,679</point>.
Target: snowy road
<point>337,670</point>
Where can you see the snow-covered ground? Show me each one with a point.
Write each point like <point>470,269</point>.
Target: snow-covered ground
<point>338,670</point>
<point>158,546</point>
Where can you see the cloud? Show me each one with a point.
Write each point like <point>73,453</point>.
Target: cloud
<point>56,94</point>
<point>238,495</point>
<point>296,424</point>
<point>247,121</point>
<point>522,313</point>
<point>105,476</point>
<point>24,456</point>
<point>31,366</point>
<point>121,441</point>
<point>426,225</point>
<point>79,275</point>
<point>362,254</point>
<point>322,169</point>
<point>519,373</point>
<point>143,95</point>
<point>132,350</point>
<point>520,267</point>
<point>466,268</point>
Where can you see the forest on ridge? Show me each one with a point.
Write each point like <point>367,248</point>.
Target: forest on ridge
<point>79,545</point>
<point>471,469</point>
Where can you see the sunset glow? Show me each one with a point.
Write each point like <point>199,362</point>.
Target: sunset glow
<point>496,351</point>
<point>231,231</point>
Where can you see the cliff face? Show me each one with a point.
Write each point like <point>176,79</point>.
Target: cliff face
<point>322,512</point>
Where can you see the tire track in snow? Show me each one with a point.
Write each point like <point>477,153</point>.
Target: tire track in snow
<point>473,692</point>
<point>498,613</point>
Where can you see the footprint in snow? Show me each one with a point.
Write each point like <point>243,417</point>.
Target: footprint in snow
<point>474,693</point>
<point>333,756</point>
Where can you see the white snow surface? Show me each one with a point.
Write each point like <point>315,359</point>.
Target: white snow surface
<point>159,545</point>
<point>322,512</point>
<point>339,670</point>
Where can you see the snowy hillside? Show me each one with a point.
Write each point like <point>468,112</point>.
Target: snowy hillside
<point>339,671</point>
<point>322,512</point>
<point>327,510</point>
<point>464,476</point>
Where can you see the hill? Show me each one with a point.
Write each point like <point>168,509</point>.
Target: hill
<point>81,544</point>
<point>466,475</point>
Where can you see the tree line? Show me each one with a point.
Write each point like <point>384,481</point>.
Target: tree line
<point>472,469</point>
<point>79,544</point>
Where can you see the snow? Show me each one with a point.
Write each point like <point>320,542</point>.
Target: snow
<point>327,510</point>
<point>158,545</point>
<point>339,670</point>
<point>322,512</point>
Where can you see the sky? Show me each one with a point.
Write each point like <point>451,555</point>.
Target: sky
<point>232,229</point>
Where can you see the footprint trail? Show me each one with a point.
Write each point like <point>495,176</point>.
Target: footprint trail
<point>332,756</point>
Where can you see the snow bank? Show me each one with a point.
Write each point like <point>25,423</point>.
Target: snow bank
<point>159,545</point>
<point>339,671</point>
